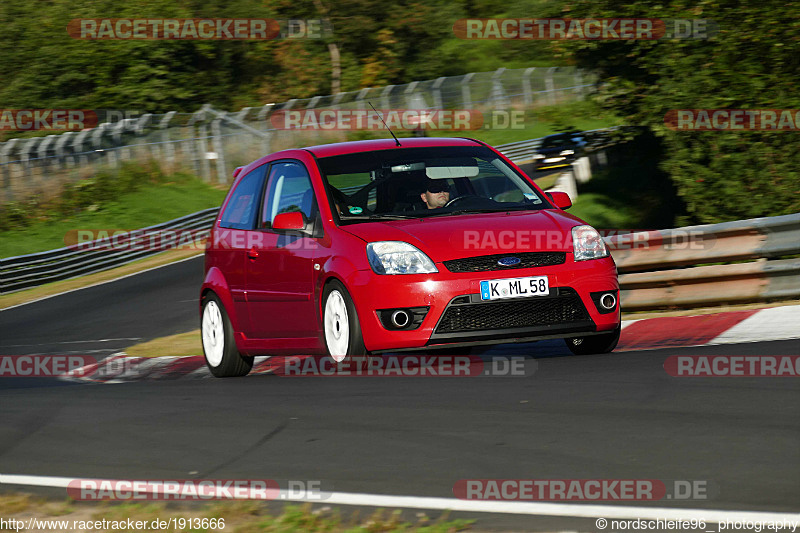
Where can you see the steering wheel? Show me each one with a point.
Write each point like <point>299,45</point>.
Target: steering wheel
<point>459,199</point>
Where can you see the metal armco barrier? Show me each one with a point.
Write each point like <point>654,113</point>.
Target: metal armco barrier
<point>675,267</point>
<point>32,270</point>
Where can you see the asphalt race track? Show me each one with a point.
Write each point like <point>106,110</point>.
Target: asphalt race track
<point>618,416</point>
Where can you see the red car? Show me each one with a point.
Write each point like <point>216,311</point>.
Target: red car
<point>364,247</point>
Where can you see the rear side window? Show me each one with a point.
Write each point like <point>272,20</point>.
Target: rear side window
<point>240,212</point>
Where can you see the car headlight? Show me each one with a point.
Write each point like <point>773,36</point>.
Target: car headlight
<point>587,244</point>
<point>567,152</point>
<point>398,257</point>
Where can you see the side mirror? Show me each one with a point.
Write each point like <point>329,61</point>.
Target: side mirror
<point>289,221</point>
<point>297,223</point>
<point>561,199</point>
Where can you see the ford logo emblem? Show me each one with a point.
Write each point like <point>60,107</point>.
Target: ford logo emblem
<point>509,261</point>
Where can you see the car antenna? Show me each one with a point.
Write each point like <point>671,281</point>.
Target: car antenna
<point>384,123</point>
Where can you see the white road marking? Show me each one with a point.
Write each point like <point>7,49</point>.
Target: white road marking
<point>502,507</point>
<point>102,282</point>
<point>70,342</point>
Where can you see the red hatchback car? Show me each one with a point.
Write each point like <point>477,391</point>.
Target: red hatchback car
<point>364,247</point>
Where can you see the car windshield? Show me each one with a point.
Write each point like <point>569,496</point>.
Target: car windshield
<point>424,182</point>
<point>557,141</point>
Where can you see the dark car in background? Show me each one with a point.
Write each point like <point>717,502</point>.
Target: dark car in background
<point>559,150</point>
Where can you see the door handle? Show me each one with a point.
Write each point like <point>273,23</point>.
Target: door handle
<point>252,253</point>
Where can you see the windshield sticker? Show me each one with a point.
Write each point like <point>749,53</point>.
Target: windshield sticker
<point>532,197</point>
<point>354,210</point>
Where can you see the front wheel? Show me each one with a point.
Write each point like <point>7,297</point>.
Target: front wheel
<point>340,324</point>
<point>222,357</point>
<point>594,344</point>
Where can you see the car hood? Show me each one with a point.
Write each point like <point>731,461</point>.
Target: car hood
<point>454,237</point>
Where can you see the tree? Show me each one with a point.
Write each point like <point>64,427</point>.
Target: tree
<point>752,63</point>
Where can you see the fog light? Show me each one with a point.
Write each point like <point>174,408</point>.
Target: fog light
<point>608,301</point>
<point>405,318</point>
<point>605,301</point>
<point>400,319</point>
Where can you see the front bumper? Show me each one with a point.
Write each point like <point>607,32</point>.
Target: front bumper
<point>446,290</point>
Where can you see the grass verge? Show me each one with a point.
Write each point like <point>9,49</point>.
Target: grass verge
<point>171,345</point>
<point>151,204</point>
<point>240,516</point>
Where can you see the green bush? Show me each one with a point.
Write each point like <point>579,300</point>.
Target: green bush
<point>751,63</point>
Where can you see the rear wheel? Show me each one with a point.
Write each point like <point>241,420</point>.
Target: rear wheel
<point>594,344</point>
<point>340,325</point>
<point>222,357</point>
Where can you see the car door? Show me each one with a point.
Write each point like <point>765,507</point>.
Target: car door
<point>280,295</point>
<point>236,224</point>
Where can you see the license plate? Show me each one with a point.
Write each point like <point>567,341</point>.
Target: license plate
<point>553,159</point>
<point>498,289</point>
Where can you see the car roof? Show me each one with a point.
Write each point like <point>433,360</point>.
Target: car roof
<point>351,147</point>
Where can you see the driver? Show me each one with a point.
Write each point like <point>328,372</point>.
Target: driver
<point>436,194</point>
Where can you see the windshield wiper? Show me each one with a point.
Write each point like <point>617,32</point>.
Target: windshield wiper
<point>469,211</point>
<point>390,216</point>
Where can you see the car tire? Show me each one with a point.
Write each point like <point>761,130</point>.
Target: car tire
<point>594,344</point>
<point>341,329</point>
<point>219,347</point>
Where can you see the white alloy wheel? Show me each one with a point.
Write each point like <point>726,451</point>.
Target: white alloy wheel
<point>337,326</point>
<point>213,333</point>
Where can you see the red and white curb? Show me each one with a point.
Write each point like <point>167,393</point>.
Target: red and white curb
<point>734,327</point>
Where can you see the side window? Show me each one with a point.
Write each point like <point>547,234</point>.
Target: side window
<point>241,209</point>
<point>289,189</point>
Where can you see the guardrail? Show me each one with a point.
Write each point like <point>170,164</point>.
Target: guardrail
<point>676,267</point>
<point>26,271</point>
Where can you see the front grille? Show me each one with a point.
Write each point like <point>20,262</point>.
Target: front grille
<point>566,308</point>
<point>489,262</point>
